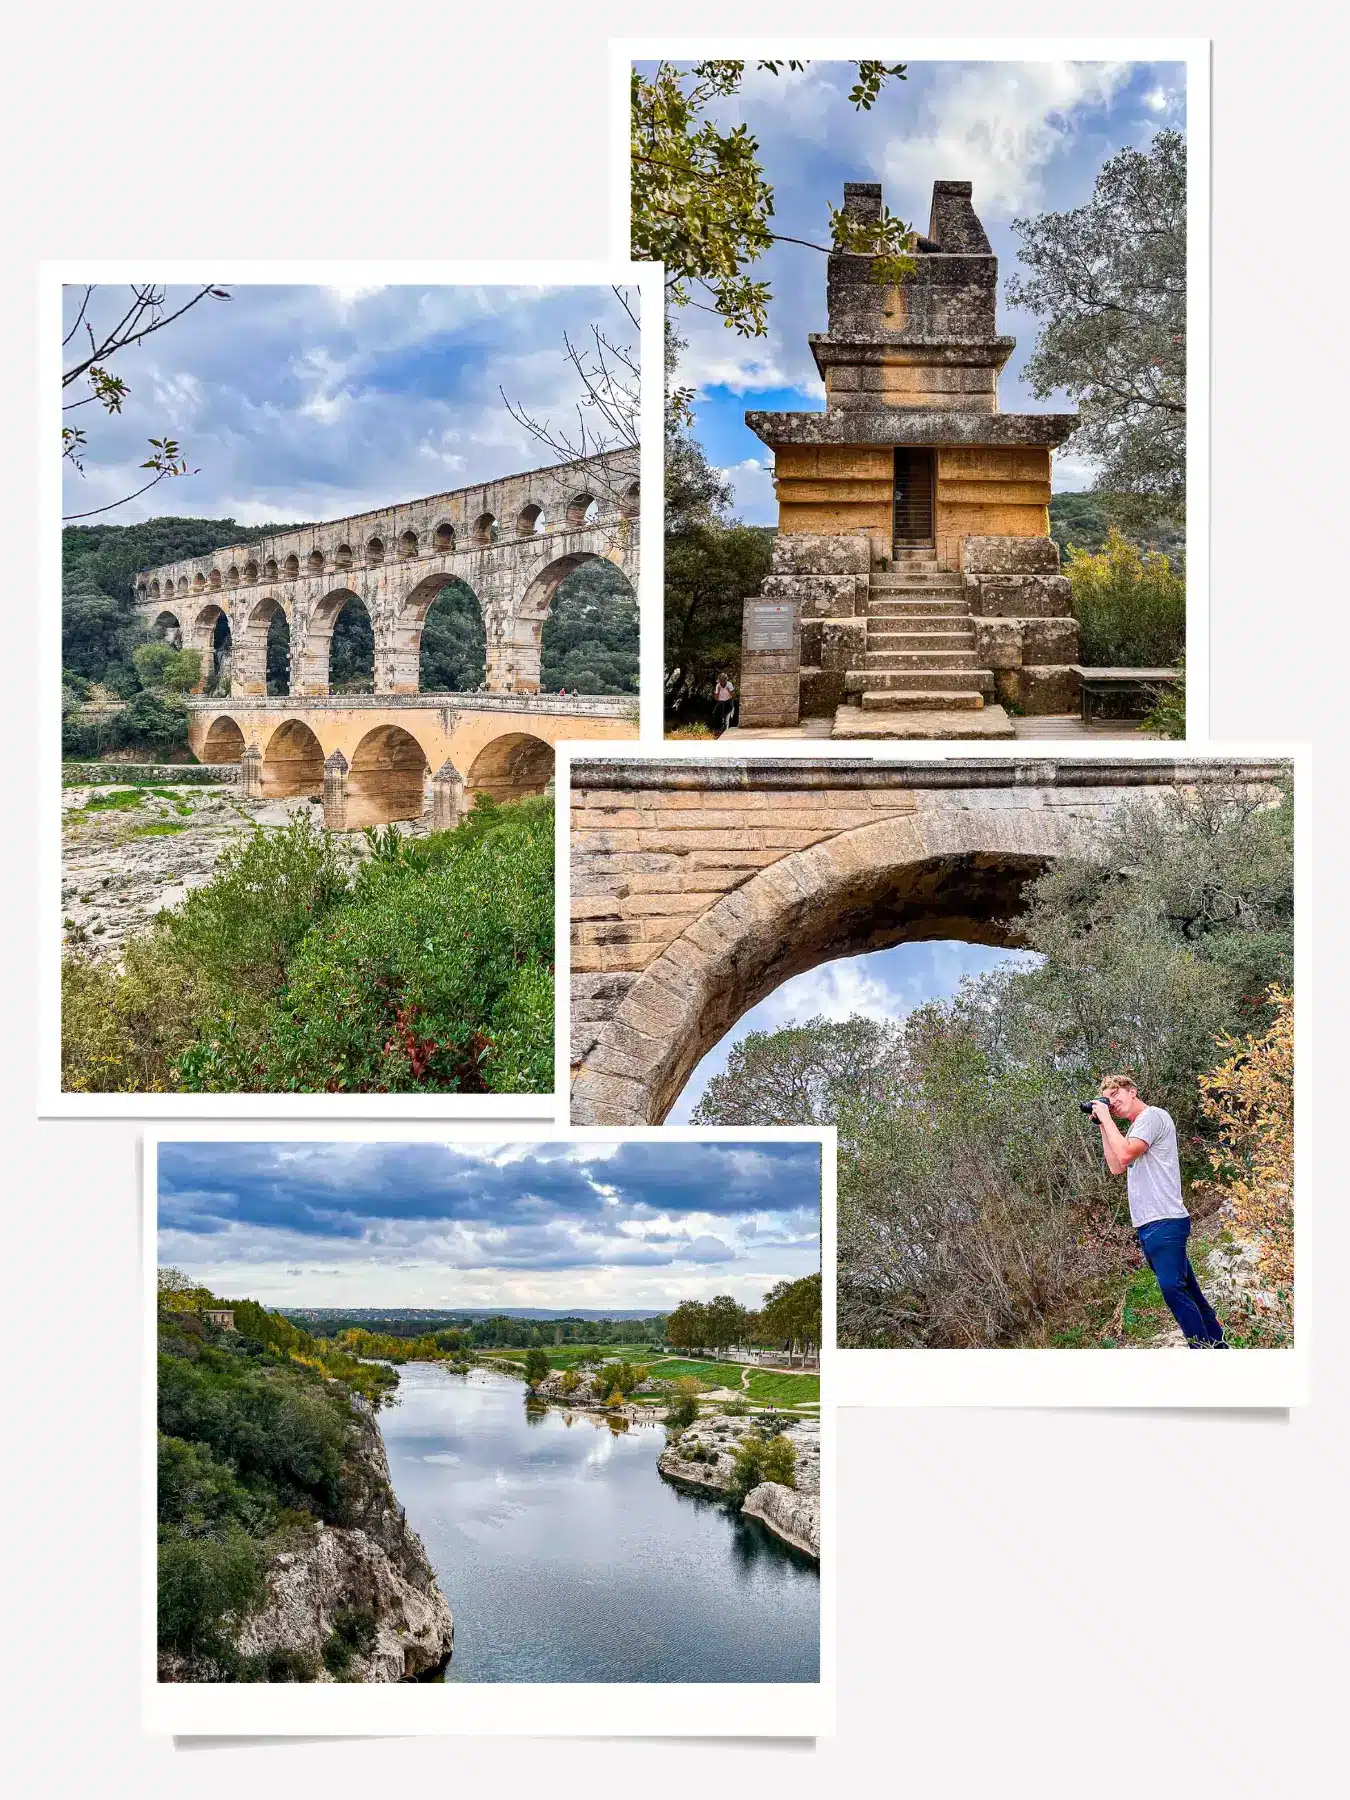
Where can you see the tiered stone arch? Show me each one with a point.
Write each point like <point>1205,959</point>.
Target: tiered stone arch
<point>512,542</point>
<point>512,766</point>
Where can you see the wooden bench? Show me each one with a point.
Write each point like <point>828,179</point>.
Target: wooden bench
<point>1101,684</point>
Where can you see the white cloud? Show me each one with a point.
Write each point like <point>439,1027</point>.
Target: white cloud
<point>754,497</point>
<point>997,125</point>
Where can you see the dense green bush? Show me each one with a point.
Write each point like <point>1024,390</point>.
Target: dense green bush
<point>1130,605</point>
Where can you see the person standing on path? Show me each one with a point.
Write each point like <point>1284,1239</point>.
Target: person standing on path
<point>724,699</point>
<point>1146,1155</point>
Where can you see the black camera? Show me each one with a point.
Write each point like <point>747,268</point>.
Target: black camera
<point>1086,1106</point>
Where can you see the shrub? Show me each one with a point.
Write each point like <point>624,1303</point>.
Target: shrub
<point>736,1409</point>
<point>570,1382</point>
<point>353,1634</point>
<point>757,1459</point>
<point>683,1410</point>
<point>165,670</point>
<point>1130,605</point>
<point>204,1584</point>
<point>1250,1098</point>
<point>537,1367</point>
<point>427,979</point>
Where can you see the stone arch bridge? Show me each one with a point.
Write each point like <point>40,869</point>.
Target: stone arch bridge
<point>374,760</point>
<point>697,888</point>
<point>513,542</point>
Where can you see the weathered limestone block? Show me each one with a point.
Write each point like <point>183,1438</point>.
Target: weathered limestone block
<point>1019,596</point>
<point>788,1513</point>
<point>843,644</point>
<point>998,643</point>
<point>1049,641</point>
<point>822,692</point>
<point>812,553</point>
<point>771,660</point>
<point>1039,689</point>
<point>818,596</point>
<point>1010,556</point>
<point>1015,643</point>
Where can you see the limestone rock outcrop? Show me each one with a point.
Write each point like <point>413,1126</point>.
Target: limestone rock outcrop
<point>372,1566</point>
<point>703,1458</point>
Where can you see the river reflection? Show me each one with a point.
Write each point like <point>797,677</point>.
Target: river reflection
<point>566,1557</point>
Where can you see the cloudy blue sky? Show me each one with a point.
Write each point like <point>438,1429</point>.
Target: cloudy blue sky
<point>884,984</point>
<point>1030,136</point>
<point>307,403</point>
<point>390,1223</point>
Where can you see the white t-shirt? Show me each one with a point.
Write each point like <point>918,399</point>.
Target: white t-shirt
<point>1154,1179</point>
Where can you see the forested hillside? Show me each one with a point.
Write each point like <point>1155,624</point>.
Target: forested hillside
<point>269,1461</point>
<point>590,640</point>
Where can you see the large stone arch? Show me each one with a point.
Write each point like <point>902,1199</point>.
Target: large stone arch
<point>224,741</point>
<point>310,656</point>
<point>387,778</point>
<point>168,626</point>
<point>534,607</point>
<point>292,761</point>
<point>512,766</point>
<point>249,674</point>
<point>939,874</point>
<point>402,653</point>
<point>201,636</point>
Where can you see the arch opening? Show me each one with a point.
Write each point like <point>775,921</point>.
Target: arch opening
<point>511,767</point>
<point>582,509</point>
<point>168,628</point>
<point>223,743</point>
<point>351,650</point>
<point>292,762</point>
<point>210,638</point>
<point>315,562</point>
<point>445,537</point>
<point>452,648</point>
<point>278,653</point>
<point>815,907</point>
<point>407,546</point>
<point>387,778</point>
<point>485,529</point>
<point>292,567</point>
<point>587,637</point>
<point>529,520</point>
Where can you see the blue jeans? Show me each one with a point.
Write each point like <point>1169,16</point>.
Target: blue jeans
<point>1164,1244</point>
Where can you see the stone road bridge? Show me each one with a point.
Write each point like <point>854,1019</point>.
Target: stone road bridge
<point>697,888</point>
<point>513,542</point>
<point>374,760</point>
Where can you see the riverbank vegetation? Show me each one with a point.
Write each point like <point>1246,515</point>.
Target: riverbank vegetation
<point>255,1420</point>
<point>974,1206</point>
<point>427,968</point>
<point>788,1320</point>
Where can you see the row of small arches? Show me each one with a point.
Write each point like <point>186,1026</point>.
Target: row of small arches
<point>581,511</point>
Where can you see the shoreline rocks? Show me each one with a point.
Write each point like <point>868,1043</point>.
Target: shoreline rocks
<point>702,1458</point>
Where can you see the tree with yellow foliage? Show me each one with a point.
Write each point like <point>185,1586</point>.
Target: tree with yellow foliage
<point>1250,1097</point>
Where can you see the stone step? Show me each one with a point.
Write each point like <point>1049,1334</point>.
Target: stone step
<point>970,724</point>
<point>911,579</point>
<point>901,565</point>
<point>917,609</point>
<point>934,681</point>
<point>912,700</point>
<point>920,640</point>
<point>918,660</point>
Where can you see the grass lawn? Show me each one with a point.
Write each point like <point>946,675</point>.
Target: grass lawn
<point>781,1389</point>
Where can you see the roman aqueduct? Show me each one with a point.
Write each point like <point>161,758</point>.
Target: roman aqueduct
<point>699,887</point>
<point>512,542</point>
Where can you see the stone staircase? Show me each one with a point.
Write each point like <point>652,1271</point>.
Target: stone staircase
<point>919,676</point>
<point>920,654</point>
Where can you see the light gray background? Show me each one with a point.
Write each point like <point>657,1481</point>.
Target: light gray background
<point>1031,1603</point>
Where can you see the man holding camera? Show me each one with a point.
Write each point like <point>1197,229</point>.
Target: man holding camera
<point>1146,1155</point>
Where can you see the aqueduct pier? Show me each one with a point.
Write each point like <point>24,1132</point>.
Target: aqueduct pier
<point>374,760</point>
<point>513,542</point>
<point>699,887</point>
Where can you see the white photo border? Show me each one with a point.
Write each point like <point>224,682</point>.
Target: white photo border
<point>1087,1377</point>
<point>54,1101</point>
<point>511,1709</point>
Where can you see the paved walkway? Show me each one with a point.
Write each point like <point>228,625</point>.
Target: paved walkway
<point>1048,726</point>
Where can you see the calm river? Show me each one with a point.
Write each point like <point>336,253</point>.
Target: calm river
<point>566,1557</point>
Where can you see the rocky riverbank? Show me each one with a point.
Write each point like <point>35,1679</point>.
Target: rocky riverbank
<point>702,1457</point>
<point>369,1577</point>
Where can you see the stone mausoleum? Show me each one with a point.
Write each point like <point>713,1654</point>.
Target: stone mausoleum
<point>914,584</point>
